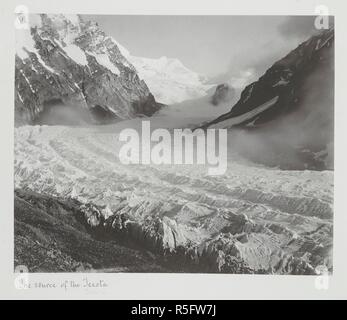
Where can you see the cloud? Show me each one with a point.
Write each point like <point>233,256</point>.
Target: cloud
<point>287,35</point>
<point>298,27</point>
<point>248,67</point>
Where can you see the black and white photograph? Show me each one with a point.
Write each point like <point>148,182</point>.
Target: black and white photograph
<point>170,155</point>
<point>174,144</point>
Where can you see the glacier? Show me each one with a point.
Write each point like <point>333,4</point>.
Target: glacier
<point>252,219</point>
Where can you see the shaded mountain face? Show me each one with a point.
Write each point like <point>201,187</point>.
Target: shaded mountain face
<point>68,71</point>
<point>286,118</point>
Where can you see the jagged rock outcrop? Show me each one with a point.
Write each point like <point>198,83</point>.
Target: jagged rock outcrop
<point>68,70</point>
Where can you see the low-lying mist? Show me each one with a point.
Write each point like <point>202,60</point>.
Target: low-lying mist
<point>56,112</point>
<point>199,108</point>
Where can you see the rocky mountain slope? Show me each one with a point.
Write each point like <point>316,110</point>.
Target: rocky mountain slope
<point>68,70</point>
<point>51,235</point>
<point>289,111</point>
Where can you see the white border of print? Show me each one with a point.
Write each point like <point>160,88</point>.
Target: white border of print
<point>173,286</point>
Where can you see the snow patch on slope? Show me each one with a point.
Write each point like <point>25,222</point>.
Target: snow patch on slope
<point>76,54</point>
<point>246,116</point>
<point>24,43</point>
<point>104,60</point>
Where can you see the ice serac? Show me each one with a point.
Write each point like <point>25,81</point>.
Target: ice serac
<point>289,111</point>
<point>68,70</point>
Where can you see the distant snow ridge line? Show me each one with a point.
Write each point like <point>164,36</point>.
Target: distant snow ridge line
<point>69,71</point>
<point>269,221</point>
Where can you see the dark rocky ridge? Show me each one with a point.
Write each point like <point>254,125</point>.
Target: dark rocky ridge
<point>51,235</point>
<point>286,79</point>
<point>296,132</point>
<point>49,78</point>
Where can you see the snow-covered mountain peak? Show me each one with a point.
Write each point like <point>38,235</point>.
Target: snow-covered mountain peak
<point>63,60</point>
<point>169,79</point>
<point>53,37</point>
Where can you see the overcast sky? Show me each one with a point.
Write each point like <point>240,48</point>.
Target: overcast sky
<point>210,45</point>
